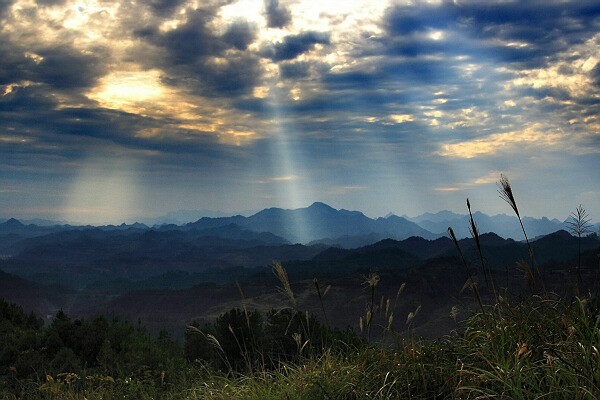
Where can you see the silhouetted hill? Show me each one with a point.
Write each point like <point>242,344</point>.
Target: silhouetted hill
<point>80,257</point>
<point>43,300</point>
<point>162,278</point>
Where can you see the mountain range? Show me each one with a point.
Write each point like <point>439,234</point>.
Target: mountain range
<point>318,223</point>
<point>169,274</point>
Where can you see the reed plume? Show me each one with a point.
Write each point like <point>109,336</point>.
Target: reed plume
<point>283,278</point>
<point>507,195</point>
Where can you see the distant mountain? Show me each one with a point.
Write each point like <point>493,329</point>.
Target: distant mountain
<point>182,217</point>
<point>316,224</point>
<point>439,217</point>
<point>503,225</point>
<point>320,222</point>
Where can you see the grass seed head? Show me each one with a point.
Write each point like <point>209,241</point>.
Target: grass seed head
<point>506,193</point>
<point>400,290</point>
<point>283,278</point>
<point>454,313</point>
<point>372,280</point>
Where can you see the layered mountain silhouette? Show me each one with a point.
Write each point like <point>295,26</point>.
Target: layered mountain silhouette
<point>318,223</point>
<point>170,274</point>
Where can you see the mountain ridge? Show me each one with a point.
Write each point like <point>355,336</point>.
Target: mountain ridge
<point>321,223</point>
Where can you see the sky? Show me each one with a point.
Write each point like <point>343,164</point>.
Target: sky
<point>113,110</point>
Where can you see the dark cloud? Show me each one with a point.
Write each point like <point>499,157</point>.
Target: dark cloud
<point>188,43</point>
<point>60,67</point>
<point>403,20</point>
<point>193,56</point>
<point>240,34</point>
<point>235,77</point>
<point>415,48</point>
<point>254,105</point>
<point>294,45</point>
<point>69,132</point>
<point>49,3</point>
<point>595,75</point>
<point>421,71</point>
<point>164,7</point>
<point>14,65</point>
<point>352,80</point>
<point>277,16</point>
<point>296,70</point>
<point>145,32</point>
<point>547,28</point>
<point>5,6</point>
<point>65,68</point>
<point>29,100</point>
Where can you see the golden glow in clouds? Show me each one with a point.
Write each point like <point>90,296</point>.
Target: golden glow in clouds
<point>128,91</point>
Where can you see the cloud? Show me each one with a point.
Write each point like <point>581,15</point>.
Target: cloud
<point>240,34</point>
<point>294,45</point>
<point>294,70</point>
<point>512,32</point>
<point>49,3</point>
<point>195,58</point>
<point>65,68</point>
<point>164,7</point>
<point>502,142</point>
<point>278,16</point>
<point>5,6</point>
<point>403,20</point>
<point>193,40</point>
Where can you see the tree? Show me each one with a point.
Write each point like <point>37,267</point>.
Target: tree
<point>579,226</point>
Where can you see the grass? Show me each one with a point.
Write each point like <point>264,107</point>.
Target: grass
<point>539,347</point>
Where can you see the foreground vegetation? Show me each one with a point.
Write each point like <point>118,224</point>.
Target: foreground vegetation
<point>540,347</point>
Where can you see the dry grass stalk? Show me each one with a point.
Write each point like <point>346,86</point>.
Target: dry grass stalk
<point>387,307</point>
<point>215,342</point>
<point>507,195</point>
<point>372,280</point>
<point>412,315</point>
<point>283,278</point>
<point>316,282</point>
<point>475,234</point>
<point>528,273</point>
<point>243,303</point>
<point>455,240</point>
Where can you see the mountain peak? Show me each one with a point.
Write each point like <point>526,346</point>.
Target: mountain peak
<point>12,223</point>
<point>320,205</point>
